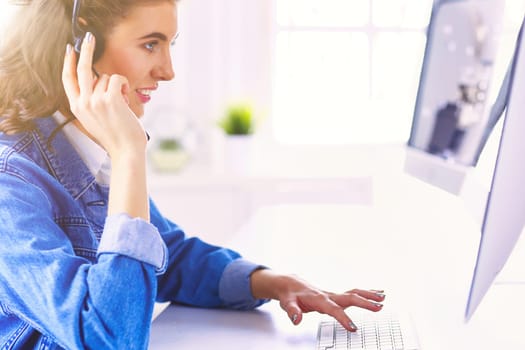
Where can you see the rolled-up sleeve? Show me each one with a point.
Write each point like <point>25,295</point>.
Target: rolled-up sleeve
<point>135,238</point>
<point>234,285</point>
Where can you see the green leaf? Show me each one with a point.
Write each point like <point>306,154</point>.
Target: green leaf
<point>169,144</point>
<point>238,120</point>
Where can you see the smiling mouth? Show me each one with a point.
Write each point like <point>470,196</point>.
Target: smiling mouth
<point>144,95</point>
<point>145,92</point>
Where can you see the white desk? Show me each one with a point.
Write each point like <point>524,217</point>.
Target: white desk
<point>418,244</point>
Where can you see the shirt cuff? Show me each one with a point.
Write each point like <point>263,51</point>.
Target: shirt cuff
<point>234,285</point>
<point>135,238</point>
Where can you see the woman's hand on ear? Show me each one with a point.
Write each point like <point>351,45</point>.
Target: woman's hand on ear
<point>100,103</point>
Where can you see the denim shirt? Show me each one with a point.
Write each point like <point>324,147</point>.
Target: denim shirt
<point>73,278</point>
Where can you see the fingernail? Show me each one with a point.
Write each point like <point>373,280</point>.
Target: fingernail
<point>88,37</point>
<point>352,326</point>
<point>379,305</point>
<point>68,49</point>
<point>381,295</point>
<point>294,318</point>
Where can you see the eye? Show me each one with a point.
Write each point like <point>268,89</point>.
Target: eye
<point>150,46</point>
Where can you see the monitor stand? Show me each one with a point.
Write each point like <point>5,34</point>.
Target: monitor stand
<point>457,179</point>
<point>436,171</point>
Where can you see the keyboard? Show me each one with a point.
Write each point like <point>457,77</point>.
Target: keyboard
<point>376,331</point>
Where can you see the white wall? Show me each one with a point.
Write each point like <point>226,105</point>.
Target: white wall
<point>222,55</point>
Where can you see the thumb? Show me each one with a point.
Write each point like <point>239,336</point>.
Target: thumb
<point>294,312</point>
<point>125,92</point>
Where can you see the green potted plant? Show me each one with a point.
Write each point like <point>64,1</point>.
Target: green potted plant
<point>168,155</point>
<point>238,125</point>
<point>238,120</point>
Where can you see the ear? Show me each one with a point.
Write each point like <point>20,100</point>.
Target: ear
<point>82,21</point>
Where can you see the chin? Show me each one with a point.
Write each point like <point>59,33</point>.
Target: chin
<point>139,111</point>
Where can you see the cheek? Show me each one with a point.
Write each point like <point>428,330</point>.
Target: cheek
<point>122,64</point>
<point>129,71</point>
<point>127,65</point>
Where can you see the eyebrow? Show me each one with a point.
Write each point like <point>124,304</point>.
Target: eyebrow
<point>155,35</point>
<point>158,35</point>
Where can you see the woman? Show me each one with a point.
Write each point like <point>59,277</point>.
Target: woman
<point>85,253</point>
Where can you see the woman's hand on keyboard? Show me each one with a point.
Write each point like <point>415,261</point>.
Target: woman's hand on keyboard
<point>297,297</point>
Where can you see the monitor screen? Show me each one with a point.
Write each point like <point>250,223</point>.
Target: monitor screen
<point>451,110</point>
<point>505,210</point>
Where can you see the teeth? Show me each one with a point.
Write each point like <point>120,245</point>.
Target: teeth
<point>144,92</point>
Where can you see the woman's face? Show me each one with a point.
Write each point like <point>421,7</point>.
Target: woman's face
<point>138,47</point>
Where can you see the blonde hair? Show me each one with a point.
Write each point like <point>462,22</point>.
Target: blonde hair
<point>32,55</point>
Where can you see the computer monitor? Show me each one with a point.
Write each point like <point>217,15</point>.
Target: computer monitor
<point>504,217</point>
<point>451,113</point>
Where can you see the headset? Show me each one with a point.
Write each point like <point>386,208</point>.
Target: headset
<point>79,32</point>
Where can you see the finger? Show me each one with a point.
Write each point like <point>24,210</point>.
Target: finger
<point>85,62</point>
<point>69,74</point>
<point>377,290</point>
<point>373,294</point>
<point>294,311</point>
<point>329,307</point>
<point>125,92</point>
<point>354,299</point>
<point>118,86</point>
<point>101,84</point>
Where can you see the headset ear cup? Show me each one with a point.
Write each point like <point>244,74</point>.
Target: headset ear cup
<point>99,42</point>
<point>77,43</point>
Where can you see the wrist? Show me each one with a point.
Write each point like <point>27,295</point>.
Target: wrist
<point>128,187</point>
<point>128,158</point>
<point>267,284</point>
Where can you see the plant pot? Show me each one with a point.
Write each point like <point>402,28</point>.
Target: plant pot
<point>238,154</point>
<point>169,160</point>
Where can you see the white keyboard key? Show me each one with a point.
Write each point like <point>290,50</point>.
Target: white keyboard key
<point>326,335</point>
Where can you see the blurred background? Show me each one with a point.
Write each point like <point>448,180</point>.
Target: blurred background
<point>330,87</point>
<point>339,75</point>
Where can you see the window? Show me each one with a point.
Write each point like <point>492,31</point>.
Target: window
<point>347,71</point>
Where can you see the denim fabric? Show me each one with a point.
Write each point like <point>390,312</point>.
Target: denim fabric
<point>72,278</point>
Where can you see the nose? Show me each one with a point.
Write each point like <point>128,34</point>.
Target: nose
<point>164,69</point>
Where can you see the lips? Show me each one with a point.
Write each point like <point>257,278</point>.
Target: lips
<point>144,94</point>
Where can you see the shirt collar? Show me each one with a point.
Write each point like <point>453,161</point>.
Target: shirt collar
<point>94,156</point>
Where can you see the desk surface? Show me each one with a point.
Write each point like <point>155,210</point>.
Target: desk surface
<point>421,253</point>
<point>180,327</point>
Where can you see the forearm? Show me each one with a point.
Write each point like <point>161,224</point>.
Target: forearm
<point>128,188</point>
